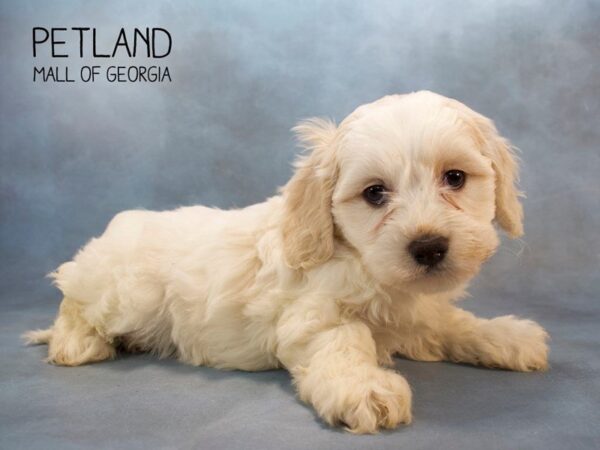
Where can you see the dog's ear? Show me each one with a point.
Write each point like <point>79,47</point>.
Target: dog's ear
<point>509,211</point>
<point>307,226</point>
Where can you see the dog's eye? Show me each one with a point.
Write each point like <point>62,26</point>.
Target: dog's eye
<point>376,195</point>
<point>455,178</point>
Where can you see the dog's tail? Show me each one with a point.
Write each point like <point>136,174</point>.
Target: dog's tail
<point>37,337</point>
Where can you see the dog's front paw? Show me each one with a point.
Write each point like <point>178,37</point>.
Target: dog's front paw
<point>515,344</point>
<point>365,401</point>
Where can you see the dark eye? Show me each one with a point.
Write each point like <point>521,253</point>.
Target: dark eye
<point>455,178</point>
<point>375,195</point>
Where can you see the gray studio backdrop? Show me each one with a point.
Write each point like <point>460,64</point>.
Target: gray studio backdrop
<point>74,154</point>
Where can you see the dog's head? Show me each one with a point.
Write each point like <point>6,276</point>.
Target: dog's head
<point>412,182</point>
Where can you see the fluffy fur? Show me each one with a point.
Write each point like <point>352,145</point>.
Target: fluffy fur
<point>316,280</point>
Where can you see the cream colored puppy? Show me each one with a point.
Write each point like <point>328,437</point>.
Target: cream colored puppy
<point>381,227</point>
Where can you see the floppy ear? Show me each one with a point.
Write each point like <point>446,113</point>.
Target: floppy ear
<point>509,211</point>
<point>307,226</point>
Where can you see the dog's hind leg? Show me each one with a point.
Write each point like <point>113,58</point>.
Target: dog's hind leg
<point>72,341</point>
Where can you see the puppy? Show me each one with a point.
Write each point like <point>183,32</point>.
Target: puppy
<point>386,219</point>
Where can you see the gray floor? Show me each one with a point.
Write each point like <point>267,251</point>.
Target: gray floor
<point>137,401</point>
<point>71,156</point>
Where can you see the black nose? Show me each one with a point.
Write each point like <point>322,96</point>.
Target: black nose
<point>429,250</point>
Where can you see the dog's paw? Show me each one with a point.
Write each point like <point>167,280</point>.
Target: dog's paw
<point>515,344</point>
<point>364,402</point>
<point>384,402</point>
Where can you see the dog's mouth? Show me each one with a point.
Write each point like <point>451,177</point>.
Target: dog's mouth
<point>432,271</point>
<point>446,275</point>
<point>433,279</point>
<point>420,274</point>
